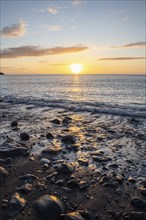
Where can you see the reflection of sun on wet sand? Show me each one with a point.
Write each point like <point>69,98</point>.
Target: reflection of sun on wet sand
<point>91,164</point>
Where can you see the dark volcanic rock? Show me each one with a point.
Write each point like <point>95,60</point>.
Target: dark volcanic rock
<point>14,123</point>
<point>49,136</point>
<point>3,174</point>
<point>143,191</point>
<point>49,207</point>
<point>137,216</point>
<point>68,139</point>
<point>138,202</point>
<point>16,204</point>
<point>51,150</point>
<point>56,121</point>
<point>64,168</point>
<point>73,216</point>
<point>8,150</point>
<point>24,136</point>
<point>28,178</point>
<point>66,120</point>
<point>25,188</point>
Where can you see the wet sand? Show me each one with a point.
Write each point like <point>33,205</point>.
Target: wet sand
<point>105,156</point>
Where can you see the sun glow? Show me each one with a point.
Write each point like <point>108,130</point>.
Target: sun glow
<point>76,68</point>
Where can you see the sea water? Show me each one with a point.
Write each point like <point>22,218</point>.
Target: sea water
<point>109,94</point>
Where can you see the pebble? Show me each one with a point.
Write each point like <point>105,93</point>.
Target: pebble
<point>49,136</point>
<point>14,123</point>
<point>25,188</point>
<point>16,204</point>
<point>49,207</point>
<point>65,168</point>
<point>131,180</point>
<point>73,216</point>
<point>55,121</point>
<point>143,191</point>
<point>28,178</point>
<point>3,174</point>
<point>51,150</point>
<point>45,161</point>
<point>24,136</point>
<point>68,139</point>
<point>138,202</point>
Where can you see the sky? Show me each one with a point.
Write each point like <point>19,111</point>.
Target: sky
<point>46,37</point>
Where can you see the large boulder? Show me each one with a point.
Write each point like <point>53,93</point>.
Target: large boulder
<point>73,216</point>
<point>49,207</point>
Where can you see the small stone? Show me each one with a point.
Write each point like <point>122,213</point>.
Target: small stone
<point>66,120</point>
<point>73,216</point>
<point>25,188</point>
<point>52,150</point>
<point>14,123</point>
<point>65,168</point>
<point>55,121</point>
<point>68,139</point>
<point>24,136</point>
<point>83,161</point>
<point>49,136</point>
<point>131,180</point>
<point>138,202</point>
<point>16,204</point>
<point>143,191</point>
<point>28,178</point>
<point>83,184</point>
<point>45,161</point>
<point>49,207</point>
<point>119,179</point>
<point>3,174</point>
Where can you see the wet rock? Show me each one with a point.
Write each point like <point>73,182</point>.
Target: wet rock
<point>83,184</point>
<point>119,179</point>
<point>72,183</point>
<point>65,168</point>
<point>138,202</point>
<point>49,136</point>
<point>137,216</point>
<point>49,207</point>
<point>83,161</point>
<point>67,120</point>
<point>51,150</point>
<point>100,159</point>
<point>97,153</point>
<point>131,180</point>
<point>68,139</point>
<point>16,205</point>
<point>28,178</point>
<point>114,165</point>
<point>3,174</point>
<point>55,121</point>
<point>8,150</point>
<point>14,123</point>
<point>25,188</point>
<point>45,161</point>
<point>72,216</point>
<point>24,136</point>
<point>143,191</point>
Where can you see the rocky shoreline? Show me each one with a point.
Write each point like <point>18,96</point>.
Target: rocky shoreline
<point>61,165</point>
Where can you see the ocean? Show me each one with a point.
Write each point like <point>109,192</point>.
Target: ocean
<point>108,94</point>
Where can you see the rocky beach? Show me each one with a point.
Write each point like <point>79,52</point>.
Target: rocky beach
<point>71,165</point>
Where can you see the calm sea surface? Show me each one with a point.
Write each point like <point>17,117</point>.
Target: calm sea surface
<point>117,94</point>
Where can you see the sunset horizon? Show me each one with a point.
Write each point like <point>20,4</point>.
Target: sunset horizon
<point>47,37</point>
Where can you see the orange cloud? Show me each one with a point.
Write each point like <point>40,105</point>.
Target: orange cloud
<point>122,58</point>
<point>32,51</point>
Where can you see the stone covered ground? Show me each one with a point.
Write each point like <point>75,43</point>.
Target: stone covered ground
<point>61,165</point>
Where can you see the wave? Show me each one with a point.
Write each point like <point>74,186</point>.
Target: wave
<point>81,106</point>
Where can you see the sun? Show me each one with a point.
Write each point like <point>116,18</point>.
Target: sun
<point>76,67</point>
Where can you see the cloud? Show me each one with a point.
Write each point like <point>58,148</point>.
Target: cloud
<point>53,10</point>
<point>122,58</point>
<point>14,30</point>
<point>54,28</point>
<point>76,2</point>
<point>33,51</point>
<point>133,45</point>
